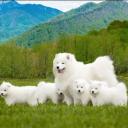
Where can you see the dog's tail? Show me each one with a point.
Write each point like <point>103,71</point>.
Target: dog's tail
<point>104,61</point>
<point>42,83</point>
<point>105,70</point>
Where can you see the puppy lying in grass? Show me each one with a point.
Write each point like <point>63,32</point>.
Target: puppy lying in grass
<point>81,93</point>
<point>15,94</point>
<point>102,94</point>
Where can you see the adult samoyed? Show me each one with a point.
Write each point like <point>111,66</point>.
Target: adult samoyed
<point>102,94</point>
<point>14,94</point>
<point>81,93</point>
<point>66,69</point>
<point>47,91</point>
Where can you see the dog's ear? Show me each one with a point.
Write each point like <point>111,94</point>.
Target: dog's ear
<point>91,83</point>
<point>4,82</point>
<point>57,54</point>
<point>75,82</point>
<point>68,57</point>
<point>9,85</point>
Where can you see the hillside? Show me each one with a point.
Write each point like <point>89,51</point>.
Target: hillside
<point>16,18</point>
<point>77,21</point>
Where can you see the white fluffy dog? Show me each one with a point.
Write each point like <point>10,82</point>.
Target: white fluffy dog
<point>102,94</point>
<point>81,93</point>
<point>47,91</point>
<point>66,69</point>
<point>14,94</point>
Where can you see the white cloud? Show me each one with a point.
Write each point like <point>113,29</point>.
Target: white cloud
<point>61,5</point>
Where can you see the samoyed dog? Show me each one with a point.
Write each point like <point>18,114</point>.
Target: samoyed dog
<point>60,95</point>
<point>14,94</point>
<point>66,69</point>
<point>81,93</point>
<point>47,91</point>
<point>102,94</point>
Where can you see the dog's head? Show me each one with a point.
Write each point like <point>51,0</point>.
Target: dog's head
<point>4,87</point>
<point>95,87</point>
<point>61,62</point>
<point>59,92</point>
<point>80,86</point>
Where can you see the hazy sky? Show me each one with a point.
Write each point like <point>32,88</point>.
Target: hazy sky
<point>61,5</point>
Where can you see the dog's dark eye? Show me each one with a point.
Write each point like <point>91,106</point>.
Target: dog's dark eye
<point>4,89</point>
<point>62,63</point>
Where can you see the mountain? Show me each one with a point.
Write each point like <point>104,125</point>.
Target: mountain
<point>86,18</point>
<point>16,18</point>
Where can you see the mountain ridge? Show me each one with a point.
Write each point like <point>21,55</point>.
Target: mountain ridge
<point>79,23</point>
<point>24,16</point>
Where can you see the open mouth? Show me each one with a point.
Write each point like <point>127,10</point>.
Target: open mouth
<point>61,70</point>
<point>93,94</point>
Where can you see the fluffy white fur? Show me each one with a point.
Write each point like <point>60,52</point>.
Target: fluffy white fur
<point>102,94</point>
<point>81,93</point>
<point>14,94</point>
<point>66,69</point>
<point>46,91</point>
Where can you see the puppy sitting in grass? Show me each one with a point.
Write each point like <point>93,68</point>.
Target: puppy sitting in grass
<point>47,91</point>
<point>102,94</point>
<point>81,93</point>
<point>14,94</point>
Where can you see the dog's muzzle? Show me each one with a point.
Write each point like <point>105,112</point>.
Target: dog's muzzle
<point>92,92</point>
<point>2,94</point>
<point>79,91</point>
<point>60,70</point>
<point>61,93</point>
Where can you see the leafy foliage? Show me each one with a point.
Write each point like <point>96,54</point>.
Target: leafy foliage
<point>21,62</point>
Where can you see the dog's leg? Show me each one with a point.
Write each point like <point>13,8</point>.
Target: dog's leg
<point>9,103</point>
<point>33,102</point>
<point>68,100</point>
<point>84,101</point>
<point>76,101</point>
<point>54,99</point>
<point>42,100</point>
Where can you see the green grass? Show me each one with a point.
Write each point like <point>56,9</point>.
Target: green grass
<point>61,116</point>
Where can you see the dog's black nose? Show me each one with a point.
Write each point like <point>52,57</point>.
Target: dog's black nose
<point>57,67</point>
<point>78,90</point>
<point>92,91</point>
<point>61,93</point>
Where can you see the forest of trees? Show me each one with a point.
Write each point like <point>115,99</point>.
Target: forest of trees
<point>21,62</point>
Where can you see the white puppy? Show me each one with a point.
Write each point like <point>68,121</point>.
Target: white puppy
<point>46,91</point>
<point>102,94</point>
<point>14,94</point>
<point>81,93</point>
<point>60,95</point>
<point>66,69</point>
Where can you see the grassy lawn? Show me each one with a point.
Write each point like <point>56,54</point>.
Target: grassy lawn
<point>61,116</point>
